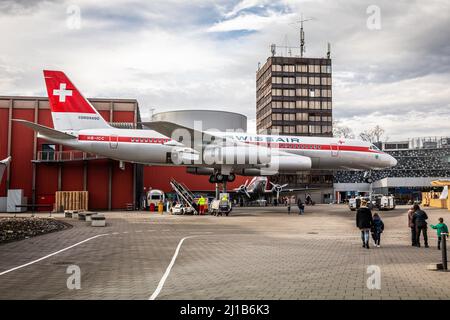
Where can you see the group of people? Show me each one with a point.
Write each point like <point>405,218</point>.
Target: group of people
<point>417,221</point>
<point>368,223</point>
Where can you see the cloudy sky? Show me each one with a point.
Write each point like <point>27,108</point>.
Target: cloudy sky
<point>172,54</point>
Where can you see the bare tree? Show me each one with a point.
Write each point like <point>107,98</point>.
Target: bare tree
<point>341,131</point>
<point>372,135</point>
<point>367,135</point>
<point>377,132</point>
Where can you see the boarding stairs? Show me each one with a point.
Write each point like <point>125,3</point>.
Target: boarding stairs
<point>184,194</point>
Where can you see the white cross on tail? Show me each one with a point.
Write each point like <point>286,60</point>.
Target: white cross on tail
<point>62,92</point>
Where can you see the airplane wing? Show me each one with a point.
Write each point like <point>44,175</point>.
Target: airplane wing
<point>178,132</point>
<point>46,131</point>
<point>3,165</point>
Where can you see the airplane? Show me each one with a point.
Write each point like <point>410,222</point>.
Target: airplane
<point>221,155</point>
<point>3,165</point>
<point>257,188</point>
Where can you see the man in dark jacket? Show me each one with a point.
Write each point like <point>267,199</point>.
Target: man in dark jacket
<point>364,222</point>
<point>420,221</point>
<point>412,226</point>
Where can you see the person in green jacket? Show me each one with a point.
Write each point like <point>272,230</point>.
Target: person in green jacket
<point>441,227</point>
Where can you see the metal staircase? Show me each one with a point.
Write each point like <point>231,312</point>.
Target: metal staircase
<point>184,194</point>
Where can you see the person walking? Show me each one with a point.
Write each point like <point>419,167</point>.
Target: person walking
<point>289,205</point>
<point>420,221</point>
<point>412,226</point>
<point>377,229</point>
<point>441,228</point>
<point>301,206</point>
<point>364,222</point>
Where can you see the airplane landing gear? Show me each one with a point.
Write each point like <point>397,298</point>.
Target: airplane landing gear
<point>216,178</point>
<point>220,178</point>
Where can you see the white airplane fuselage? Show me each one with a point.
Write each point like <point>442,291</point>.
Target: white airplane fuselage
<point>77,124</point>
<point>152,148</point>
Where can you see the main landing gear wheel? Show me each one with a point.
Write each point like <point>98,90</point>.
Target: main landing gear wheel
<point>219,177</point>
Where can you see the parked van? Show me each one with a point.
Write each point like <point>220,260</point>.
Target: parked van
<point>154,197</point>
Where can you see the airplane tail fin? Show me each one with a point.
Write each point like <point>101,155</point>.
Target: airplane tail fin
<point>70,110</point>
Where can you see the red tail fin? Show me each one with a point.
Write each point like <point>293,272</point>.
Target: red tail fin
<point>67,103</point>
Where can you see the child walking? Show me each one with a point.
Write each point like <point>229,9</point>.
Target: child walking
<point>377,229</point>
<point>441,227</point>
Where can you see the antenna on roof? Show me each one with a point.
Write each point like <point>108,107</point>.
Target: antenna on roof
<point>273,49</point>
<point>302,34</point>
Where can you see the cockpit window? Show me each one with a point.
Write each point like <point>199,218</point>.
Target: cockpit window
<point>374,147</point>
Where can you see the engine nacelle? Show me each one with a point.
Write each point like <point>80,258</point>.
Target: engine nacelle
<point>200,171</point>
<point>287,164</point>
<point>243,156</point>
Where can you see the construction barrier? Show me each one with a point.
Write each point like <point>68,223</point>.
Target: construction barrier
<point>71,200</point>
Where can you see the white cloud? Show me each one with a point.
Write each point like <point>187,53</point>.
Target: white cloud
<point>251,22</point>
<point>178,54</point>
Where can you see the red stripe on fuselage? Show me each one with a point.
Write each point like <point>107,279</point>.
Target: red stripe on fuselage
<point>99,138</point>
<point>280,145</point>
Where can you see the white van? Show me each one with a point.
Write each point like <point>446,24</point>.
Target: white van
<point>155,196</point>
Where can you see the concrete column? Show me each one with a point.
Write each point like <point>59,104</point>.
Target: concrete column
<point>110,169</point>
<point>8,170</point>
<point>59,176</point>
<point>85,175</point>
<point>111,112</point>
<point>33,182</point>
<point>134,185</point>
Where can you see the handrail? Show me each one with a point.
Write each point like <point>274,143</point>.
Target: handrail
<point>60,156</point>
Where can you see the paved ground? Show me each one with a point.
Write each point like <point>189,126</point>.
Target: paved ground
<point>257,253</point>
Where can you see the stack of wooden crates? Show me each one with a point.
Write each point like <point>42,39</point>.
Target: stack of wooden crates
<point>71,200</point>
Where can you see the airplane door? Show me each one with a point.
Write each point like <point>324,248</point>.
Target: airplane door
<point>113,141</point>
<point>334,150</point>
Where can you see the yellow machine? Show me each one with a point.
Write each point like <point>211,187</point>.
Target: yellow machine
<point>437,199</point>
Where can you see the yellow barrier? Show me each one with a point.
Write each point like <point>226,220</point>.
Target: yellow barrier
<point>438,203</point>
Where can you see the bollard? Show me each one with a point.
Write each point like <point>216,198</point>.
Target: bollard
<point>444,250</point>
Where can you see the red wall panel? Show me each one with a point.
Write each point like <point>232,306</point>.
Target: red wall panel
<point>72,176</point>
<point>122,186</point>
<point>3,145</point>
<point>123,116</point>
<point>22,152</point>
<point>46,179</point>
<point>158,177</point>
<point>97,183</point>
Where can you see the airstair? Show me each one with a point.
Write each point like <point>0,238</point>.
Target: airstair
<point>184,195</point>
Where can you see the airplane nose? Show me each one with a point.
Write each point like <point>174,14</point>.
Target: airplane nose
<point>392,161</point>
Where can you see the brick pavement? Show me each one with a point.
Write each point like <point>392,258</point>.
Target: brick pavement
<point>258,253</point>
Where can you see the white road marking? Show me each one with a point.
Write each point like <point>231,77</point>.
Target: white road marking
<point>52,254</point>
<point>169,268</point>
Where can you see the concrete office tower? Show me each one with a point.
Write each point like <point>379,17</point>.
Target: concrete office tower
<point>294,97</point>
